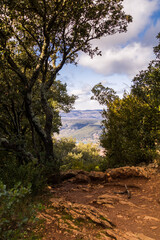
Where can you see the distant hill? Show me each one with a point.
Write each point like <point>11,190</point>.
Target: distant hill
<point>84,125</point>
<point>95,114</point>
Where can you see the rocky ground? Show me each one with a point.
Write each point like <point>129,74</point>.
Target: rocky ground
<point>121,204</point>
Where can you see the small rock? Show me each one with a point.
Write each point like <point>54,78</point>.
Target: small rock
<point>104,237</point>
<point>151,218</point>
<point>154,228</point>
<point>85,190</point>
<point>128,203</point>
<point>107,199</point>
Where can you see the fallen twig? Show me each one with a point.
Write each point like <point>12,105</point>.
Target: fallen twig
<point>125,192</point>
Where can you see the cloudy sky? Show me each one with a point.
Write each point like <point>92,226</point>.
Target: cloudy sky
<point>123,55</point>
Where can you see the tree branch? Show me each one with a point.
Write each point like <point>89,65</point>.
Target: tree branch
<point>16,69</point>
<point>15,148</point>
<point>34,4</point>
<point>38,68</point>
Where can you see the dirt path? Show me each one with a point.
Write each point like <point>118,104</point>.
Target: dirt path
<point>139,214</point>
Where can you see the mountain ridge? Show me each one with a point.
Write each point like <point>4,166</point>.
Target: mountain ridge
<point>83,125</point>
<point>96,113</point>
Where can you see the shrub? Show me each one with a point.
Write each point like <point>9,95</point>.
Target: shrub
<point>80,156</point>
<point>73,161</point>
<point>16,214</point>
<point>31,173</point>
<point>62,147</point>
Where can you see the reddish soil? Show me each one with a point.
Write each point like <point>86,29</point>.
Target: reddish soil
<point>138,214</point>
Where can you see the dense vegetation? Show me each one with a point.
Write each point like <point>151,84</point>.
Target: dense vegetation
<point>37,37</point>
<point>131,125</point>
<point>77,156</point>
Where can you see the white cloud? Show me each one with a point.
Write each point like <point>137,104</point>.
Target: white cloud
<point>129,60</point>
<point>120,83</point>
<point>84,90</point>
<point>121,55</point>
<point>76,92</point>
<point>150,35</point>
<point>141,11</point>
<point>124,55</point>
<point>84,102</point>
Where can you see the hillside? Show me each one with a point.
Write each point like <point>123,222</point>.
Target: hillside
<point>84,125</point>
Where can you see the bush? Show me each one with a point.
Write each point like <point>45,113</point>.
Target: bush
<point>72,161</point>
<point>90,155</point>
<point>16,214</point>
<point>62,147</point>
<point>128,135</point>
<point>31,173</point>
<point>104,164</point>
<point>80,156</point>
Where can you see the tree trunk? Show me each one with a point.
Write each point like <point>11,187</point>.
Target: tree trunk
<point>51,163</point>
<point>52,166</point>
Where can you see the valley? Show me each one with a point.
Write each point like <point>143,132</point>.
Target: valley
<point>82,125</point>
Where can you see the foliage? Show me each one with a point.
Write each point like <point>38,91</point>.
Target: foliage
<point>77,156</point>
<point>36,39</point>
<point>105,163</point>
<point>30,173</point>
<point>128,135</point>
<point>131,124</point>
<point>103,95</point>
<point>72,161</point>
<point>18,136</point>
<point>146,86</point>
<point>17,216</point>
<point>90,155</point>
<point>63,146</point>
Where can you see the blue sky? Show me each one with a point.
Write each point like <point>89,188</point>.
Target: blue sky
<point>123,55</point>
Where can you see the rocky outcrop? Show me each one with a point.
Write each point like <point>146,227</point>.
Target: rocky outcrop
<point>128,172</point>
<point>78,221</point>
<point>71,174</point>
<point>89,209</point>
<point>97,176</point>
<point>80,176</point>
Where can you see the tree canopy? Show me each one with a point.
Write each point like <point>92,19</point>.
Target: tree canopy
<point>37,37</point>
<point>131,125</point>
